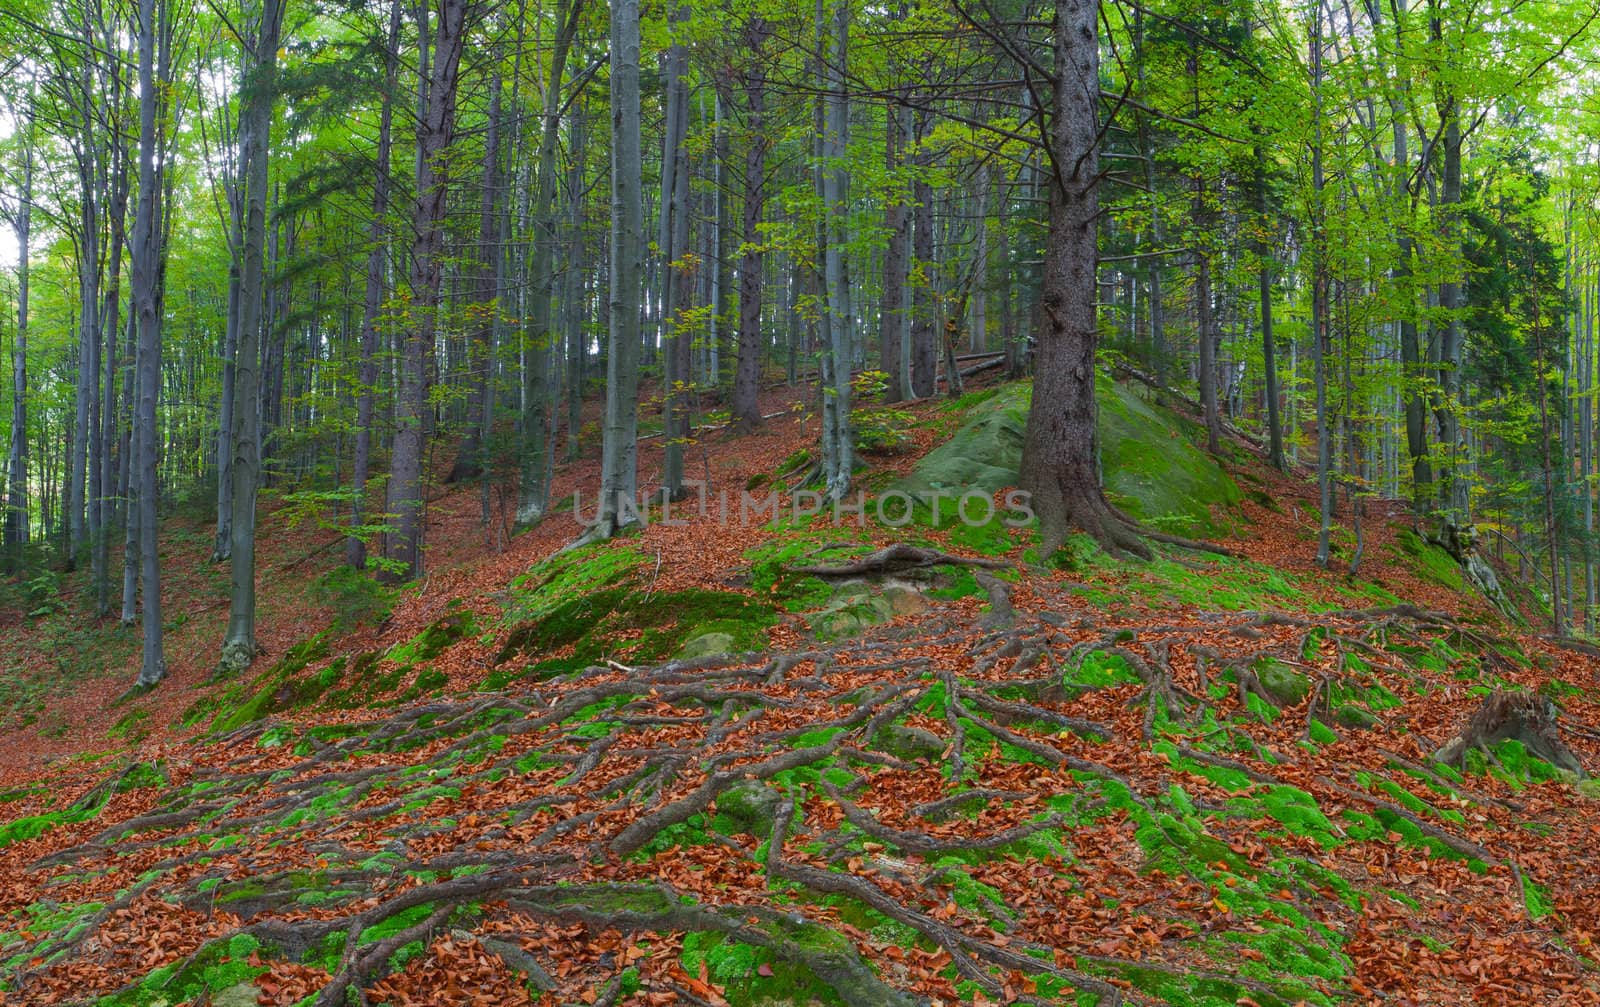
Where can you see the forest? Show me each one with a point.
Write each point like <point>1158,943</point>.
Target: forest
<point>736,502</point>
<point>309,250</point>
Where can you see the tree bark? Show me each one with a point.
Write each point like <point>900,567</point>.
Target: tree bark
<point>16,516</point>
<point>255,126</point>
<point>435,132</point>
<point>534,425</point>
<point>1269,346</point>
<point>1319,302</point>
<point>1060,448</point>
<point>147,255</point>
<point>619,461</point>
<point>897,222</point>
<point>355,552</point>
<point>924,351</point>
<point>472,460</point>
<point>838,439</point>
<point>746,408</point>
<point>676,272</point>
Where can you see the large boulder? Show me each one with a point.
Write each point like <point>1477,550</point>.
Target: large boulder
<point>1151,465</point>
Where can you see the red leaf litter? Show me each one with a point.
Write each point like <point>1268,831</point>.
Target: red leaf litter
<point>1423,929</point>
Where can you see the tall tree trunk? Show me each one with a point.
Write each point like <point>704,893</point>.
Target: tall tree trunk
<point>838,439</point>
<point>619,463</point>
<point>924,349</point>
<point>1153,264</point>
<point>897,222</point>
<point>147,256</point>
<point>1269,346</point>
<point>1061,447</point>
<point>746,407</point>
<point>89,172</point>
<point>128,477</point>
<point>435,132</point>
<point>1205,322</point>
<point>16,517</point>
<point>355,552</point>
<point>676,271</point>
<point>978,304</point>
<point>255,126</point>
<point>230,355</point>
<point>534,489</point>
<point>576,299</point>
<point>1452,480</point>
<point>1319,301</point>
<point>111,456</point>
<point>472,460</point>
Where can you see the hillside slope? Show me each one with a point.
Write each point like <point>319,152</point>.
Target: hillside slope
<point>712,764</point>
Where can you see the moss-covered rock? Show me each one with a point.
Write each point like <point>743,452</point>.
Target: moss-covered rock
<point>750,807</point>
<point>859,604</point>
<point>1152,468</point>
<point>600,601</point>
<point>1351,715</point>
<point>707,644</point>
<point>1286,686</point>
<point>909,743</point>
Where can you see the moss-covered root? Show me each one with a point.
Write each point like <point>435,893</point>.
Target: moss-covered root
<point>789,937</point>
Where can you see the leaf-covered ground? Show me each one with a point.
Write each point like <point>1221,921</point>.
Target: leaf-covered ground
<point>1199,781</point>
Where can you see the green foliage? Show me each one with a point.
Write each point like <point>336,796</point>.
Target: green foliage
<point>354,597</point>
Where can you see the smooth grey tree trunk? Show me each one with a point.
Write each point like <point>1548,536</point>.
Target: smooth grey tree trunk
<point>897,223</point>
<point>838,438</point>
<point>1319,302</point>
<point>924,348</point>
<point>676,274</point>
<point>1453,481</point>
<point>619,464</point>
<point>576,307</point>
<point>230,354</point>
<point>113,463</point>
<point>239,645</point>
<point>472,460</point>
<point>534,484</point>
<point>16,517</point>
<point>147,255</point>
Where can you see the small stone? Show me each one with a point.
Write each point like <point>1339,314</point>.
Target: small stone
<point>245,994</point>
<point>707,644</point>
<point>908,743</point>
<point>1286,686</point>
<point>750,807</point>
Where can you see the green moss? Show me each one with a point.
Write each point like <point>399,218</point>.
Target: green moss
<point>1154,470</point>
<point>456,624</point>
<point>281,688</point>
<point>606,606</point>
<point>220,965</point>
<point>1430,562</point>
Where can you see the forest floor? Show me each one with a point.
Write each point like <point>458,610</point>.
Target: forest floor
<point>1202,780</point>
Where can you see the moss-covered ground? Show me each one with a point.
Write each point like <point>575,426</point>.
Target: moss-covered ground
<point>1198,781</point>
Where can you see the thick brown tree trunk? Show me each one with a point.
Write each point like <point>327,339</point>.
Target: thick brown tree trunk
<point>1060,452</point>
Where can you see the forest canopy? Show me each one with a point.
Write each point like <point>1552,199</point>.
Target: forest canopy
<point>324,255</point>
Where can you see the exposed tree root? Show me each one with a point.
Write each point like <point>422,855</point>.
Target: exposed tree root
<point>898,558</point>
<point>1529,718</point>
